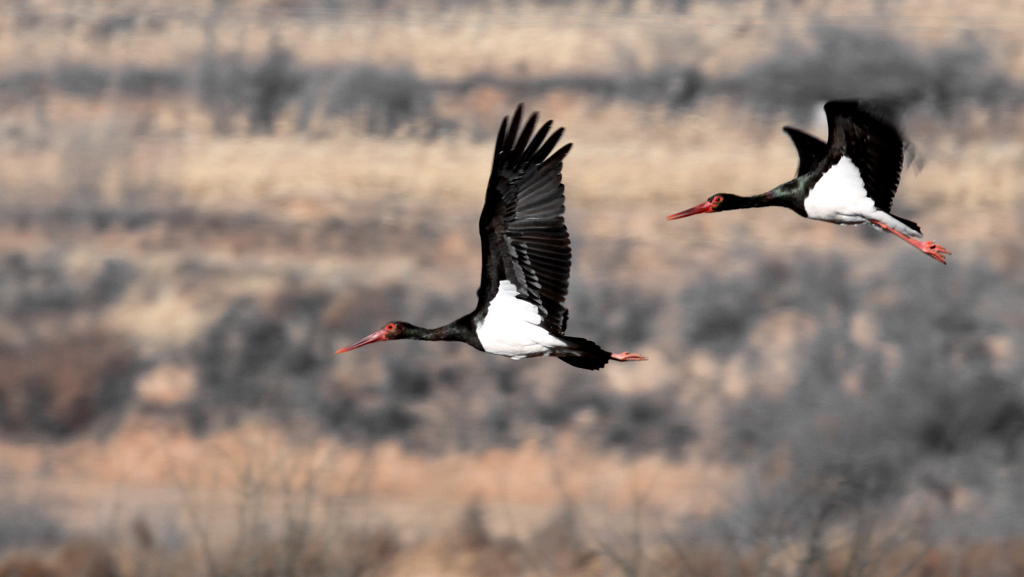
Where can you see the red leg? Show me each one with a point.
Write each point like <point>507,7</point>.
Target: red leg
<point>930,248</point>
<point>624,357</point>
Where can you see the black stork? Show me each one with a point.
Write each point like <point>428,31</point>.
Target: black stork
<point>851,179</point>
<point>521,309</point>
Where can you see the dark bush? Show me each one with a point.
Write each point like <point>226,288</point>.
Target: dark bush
<point>223,87</point>
<point>60,387</point>
<point>238,352</point>
<point>82,79</point>
<point>945,399</point>
<point>365,416</point>
<point>720,312</point>
<point>274,82</point>
<point>649,423</point>
<point>108,26</point>
<point>21,87</point>
<point>145,82</point>
<point>842,63</point>
<point>624,313</point>
<point>111,283</point>
<point>388,98</point>
<point>33,286</point>
<point>408,383</point>
<point>26,524</point>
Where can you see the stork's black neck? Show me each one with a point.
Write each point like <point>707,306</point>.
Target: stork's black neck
<point>790,195</point>
<point>461,329</point>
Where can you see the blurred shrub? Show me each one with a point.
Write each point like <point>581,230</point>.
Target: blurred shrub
<point>387,98</point>
<point>273,83</point>
<point>899,375</point>
<point>721,311</point>
<point>27,524</point>
<point>108,26</point>
<point>856,424</point>
<point>86,557</point>
<point>59,384</point>
<point>145,82</point>
<point>649,423</point>
<point>624,313</point>
<point>32,286</point>
<point>255,356</point>
<point>25,565</point>
<point>843,63</point>
<point>675,87</point>
<point>837,63</point>
<point>61,387</point>
<point>276,357</point>
<point>81,79</point>
<point>79,557</point>
<point>20,87</point>
<point>222,87</point>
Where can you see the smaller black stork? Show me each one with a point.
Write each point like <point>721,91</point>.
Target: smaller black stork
<point>521,309</point>
<point>851,179</point>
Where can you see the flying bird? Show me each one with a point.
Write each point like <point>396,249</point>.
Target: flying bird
<point>851,179</point>
<point>521,309</point>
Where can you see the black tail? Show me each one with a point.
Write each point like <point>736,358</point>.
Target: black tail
<point>584,354</point>
<point>909,223</point>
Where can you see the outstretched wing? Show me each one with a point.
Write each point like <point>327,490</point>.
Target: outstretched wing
<point>810,149</point>
<point>867,133</point>
<point>522,227</point>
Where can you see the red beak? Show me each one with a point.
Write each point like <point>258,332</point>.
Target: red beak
<point>373,338</point>
<point>699,209</point>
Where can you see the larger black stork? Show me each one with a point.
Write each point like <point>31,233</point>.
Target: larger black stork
<point>851,179</point>
<point>521,309</point>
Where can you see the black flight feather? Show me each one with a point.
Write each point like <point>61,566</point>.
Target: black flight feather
<point>810,149</point>
<point>868,134</point>
<point>522,228</point>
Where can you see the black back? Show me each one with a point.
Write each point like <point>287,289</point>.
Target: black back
<point>867,133</point>
<point>522,227</point>
<point>810,149</point>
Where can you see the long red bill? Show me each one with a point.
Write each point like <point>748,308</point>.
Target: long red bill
<point>373,338</point>
<point>699,209</point>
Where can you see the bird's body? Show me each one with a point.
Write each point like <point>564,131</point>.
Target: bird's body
<point>512,327</point>
<point>851,179</point>
<point>524,278</point>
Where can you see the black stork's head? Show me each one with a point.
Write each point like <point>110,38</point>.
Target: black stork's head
<point>716,203</point>
<point>390,332</point>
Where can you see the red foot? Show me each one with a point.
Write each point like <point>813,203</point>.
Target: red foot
<point>929,247</point>
<point>624,357</point>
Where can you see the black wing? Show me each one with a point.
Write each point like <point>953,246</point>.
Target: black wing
<point>867,133</point>
<point>810,149</point>
<point>522,227</point>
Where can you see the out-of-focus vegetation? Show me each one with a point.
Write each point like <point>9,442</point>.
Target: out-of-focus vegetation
<point>231,85</point>
<point>199,204</point>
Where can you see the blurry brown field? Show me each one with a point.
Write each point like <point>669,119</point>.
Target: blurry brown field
<point>199,203</point>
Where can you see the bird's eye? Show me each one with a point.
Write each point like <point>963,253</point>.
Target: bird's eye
<point>716,200</point>
<point>390,327</point>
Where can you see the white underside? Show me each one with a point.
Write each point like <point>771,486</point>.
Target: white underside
<point>840,196</point>
<point>512,327</point>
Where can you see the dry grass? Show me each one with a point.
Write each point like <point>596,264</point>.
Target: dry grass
<point>145,452</point>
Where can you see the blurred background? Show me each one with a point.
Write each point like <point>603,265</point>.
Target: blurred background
<point>201,201</point>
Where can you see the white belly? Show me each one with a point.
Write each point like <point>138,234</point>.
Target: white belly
<point>512,328</point>
<point>840,196</point>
